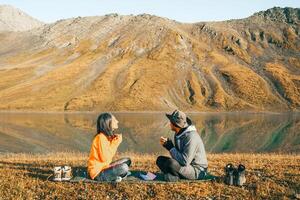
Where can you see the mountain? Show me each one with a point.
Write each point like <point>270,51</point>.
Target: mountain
<point>145,62</point>
<point>13,19</point>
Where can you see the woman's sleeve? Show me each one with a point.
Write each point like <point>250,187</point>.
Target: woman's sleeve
<point>105,153</point>
<point>115,144</point>
<point>107,149</point>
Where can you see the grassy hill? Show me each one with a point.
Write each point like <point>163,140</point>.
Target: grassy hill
<point>149,63</point>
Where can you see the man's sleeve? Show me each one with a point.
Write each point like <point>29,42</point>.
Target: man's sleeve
<point>188,153</point>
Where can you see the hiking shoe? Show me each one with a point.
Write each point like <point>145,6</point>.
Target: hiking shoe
<point>235,176</point>
<point>229,174</point>
<point>66,173</point>
<point>57,171</point>
<point>240,177</point>
<point>170,178</point>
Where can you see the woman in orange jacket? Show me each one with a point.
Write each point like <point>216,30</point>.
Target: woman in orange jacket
<point>103,149</point>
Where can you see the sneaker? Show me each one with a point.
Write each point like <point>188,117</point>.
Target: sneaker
<point>127,174</point>
<point>66,173</point>
<point>229,174</point>
<point>170,178</point>
<point>57,171</point>
<point>118,179</point>
<point>241,178</point>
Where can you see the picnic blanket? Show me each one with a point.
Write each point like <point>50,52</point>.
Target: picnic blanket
<point>135,176</point>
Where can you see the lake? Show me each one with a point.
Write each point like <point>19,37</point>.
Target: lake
<point>220,132</point>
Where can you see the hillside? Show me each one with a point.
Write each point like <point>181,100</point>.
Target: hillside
<point>145,62</point>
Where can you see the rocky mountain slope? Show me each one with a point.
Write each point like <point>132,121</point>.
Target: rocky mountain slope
<point>146,62</point>
<point>12,19</point>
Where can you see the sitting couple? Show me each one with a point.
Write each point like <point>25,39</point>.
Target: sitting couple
<point>187,161</point>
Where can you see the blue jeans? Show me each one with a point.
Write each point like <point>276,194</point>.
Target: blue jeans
<point>117,168</point>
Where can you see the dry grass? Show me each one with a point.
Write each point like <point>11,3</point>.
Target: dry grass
<point>269,176</point>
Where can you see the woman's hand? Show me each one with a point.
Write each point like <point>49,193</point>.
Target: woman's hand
<point>117,138</point>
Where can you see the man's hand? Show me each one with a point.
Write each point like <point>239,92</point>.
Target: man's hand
<point>168,144</point>
<point>163,140</point>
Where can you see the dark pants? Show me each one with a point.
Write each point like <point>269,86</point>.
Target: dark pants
<point>171,166</point>
<point>168,165</point>
<point>115,169</point>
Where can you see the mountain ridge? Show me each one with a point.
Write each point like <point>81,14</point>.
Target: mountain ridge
<point>13,19</point>
<point>287,14</point>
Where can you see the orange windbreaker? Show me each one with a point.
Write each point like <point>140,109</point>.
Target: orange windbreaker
<point>101,153</point>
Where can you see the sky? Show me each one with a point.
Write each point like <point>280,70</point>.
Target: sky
<point>180,10</point>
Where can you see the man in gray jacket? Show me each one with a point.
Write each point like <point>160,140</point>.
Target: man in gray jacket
<point>188,158</point>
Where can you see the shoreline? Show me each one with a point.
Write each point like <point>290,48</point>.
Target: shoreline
<point>138,154</point>
<point>152,112</point>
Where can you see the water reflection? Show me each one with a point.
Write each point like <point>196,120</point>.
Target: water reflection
<point>227,132</point>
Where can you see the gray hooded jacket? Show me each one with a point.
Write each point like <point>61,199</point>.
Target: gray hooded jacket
<point>189,152</point>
